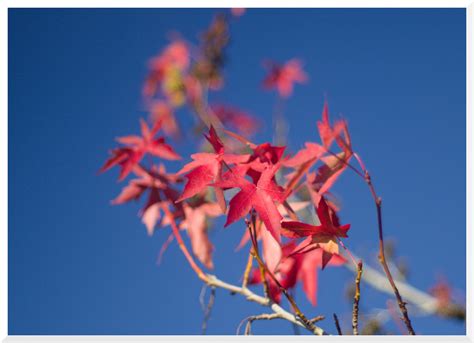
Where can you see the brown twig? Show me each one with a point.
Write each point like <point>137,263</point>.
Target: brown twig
<point>266,289</point>
<point>394,315</point>
<point>425,302</point>
<point>378,204</point>
<point>355,307</point>
<point>383,262</point>
<point>248,267</point>
<point>254,251</point>
<point>338,327</point>
<point>317,319</point>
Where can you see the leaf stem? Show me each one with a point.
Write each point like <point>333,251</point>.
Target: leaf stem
<point>182,246</point>
<point>248,267</point>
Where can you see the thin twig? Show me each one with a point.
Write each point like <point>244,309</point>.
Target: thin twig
<point>250,319</point>
<point>202,295</point>
<point>338,327</point>
<point>212,281</point>
<point>181,244</point>
<point>208,310</point>
<point>296,329</point>
<point>396,319</point>
<point>266,288</point>
<point>254,252</point>
<point>310,326</point>
<point>355,307</point>
<point>427,303</point>
<point>383,262</point>
<point>248,267</point>
<point>317,319</point>
<point>290,186</point>
<point>251,296</point>
<point>378,204</point>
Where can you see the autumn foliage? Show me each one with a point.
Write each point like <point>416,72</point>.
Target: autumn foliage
<point>234,177</point>
<point>280,200</point>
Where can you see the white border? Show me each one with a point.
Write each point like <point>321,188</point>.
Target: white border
<point>5,5</point>
<point>240,3</point>
<point>469,169</point>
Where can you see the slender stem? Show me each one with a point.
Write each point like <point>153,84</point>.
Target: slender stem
<point>250,319</point>
<point>298,175</point>
<point>355,307</point>
<point>208,309</point>
<point>212,281</point>
<point>266,289</point>
<point>394,315</point>
<point>182,246</point>
<point>296,329</point>
<point>317,319</point>
<point>382,259</point>
<point>348,251</point>
<point>309,325</point>
<point>291,213</point>
<point>254,251</point>
<point>248,267</point>
<point>336,321</point>
<point>346,162</point>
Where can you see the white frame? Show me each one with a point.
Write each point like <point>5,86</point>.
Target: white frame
<point>6,4</point>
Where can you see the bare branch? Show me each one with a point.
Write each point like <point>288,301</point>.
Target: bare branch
<point>355,307</point>
<point>250,296</point>
<point>427,303</point>
<point>251,319</point>
<point>208,309</point>
<point>382,259</point>
<point>336,321</point>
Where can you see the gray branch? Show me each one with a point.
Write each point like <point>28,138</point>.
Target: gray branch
<point>250,296</point>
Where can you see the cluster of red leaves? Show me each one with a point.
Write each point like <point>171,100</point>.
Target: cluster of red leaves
<point>260,181</point>
<point>292,249</point>
<point>182,74</point>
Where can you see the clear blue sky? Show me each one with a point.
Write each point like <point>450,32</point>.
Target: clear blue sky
<point>78,265</point>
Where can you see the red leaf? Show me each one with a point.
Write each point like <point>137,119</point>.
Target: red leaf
<point>282,77</point>
<point>326,228</point>
<point>207,168</point>
<point>294,268</point>
<point>160,111</point>
<point>136,147</point>
<point>311,151</point>
<point>195,223</point>
<point>261,197</point>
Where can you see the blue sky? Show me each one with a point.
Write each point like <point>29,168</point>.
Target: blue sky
<point>78,265</point>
